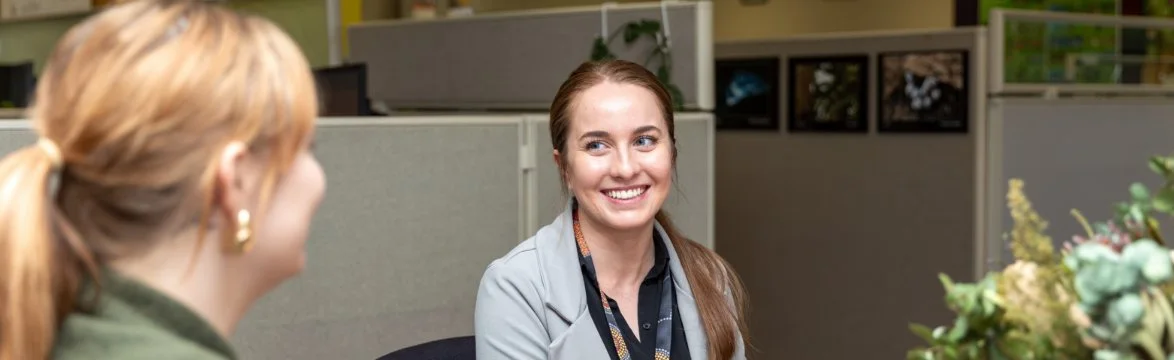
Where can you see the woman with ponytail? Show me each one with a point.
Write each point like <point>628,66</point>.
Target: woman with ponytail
<point>172,185</point>
<point>611,278</point>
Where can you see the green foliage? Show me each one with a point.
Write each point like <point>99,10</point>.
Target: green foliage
<point>661,54</point>
<point>1105,296</point>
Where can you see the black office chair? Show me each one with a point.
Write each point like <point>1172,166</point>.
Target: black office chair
<point>458,348</point>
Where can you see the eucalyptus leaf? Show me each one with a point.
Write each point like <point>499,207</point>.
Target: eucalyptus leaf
<point>1139,192</point>
<point>1126,311</point>
<point>1153,260</point>
<point>1136,212</point>
<point>1164,200</point>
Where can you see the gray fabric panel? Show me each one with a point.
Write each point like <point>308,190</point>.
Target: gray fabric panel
<point>14,138</point>
<point>505,61</point>
<point>1079,155</point>
<point>412,217</point>
<point>689,204</point>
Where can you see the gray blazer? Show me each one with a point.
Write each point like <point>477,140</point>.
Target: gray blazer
<point>532,305</point>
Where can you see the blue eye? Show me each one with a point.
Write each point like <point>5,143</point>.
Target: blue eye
<point>645,141</point>
<point>595,145</point>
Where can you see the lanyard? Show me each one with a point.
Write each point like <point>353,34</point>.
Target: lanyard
<point>664,327</point>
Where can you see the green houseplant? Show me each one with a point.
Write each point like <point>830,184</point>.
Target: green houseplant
<point>1106,295</point>
<point>661,53</point>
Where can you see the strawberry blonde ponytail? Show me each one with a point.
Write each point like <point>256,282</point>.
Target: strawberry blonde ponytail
<point>39,269</point>
<point>133,106</point>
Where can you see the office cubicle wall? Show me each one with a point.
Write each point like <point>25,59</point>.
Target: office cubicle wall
<point>691,201</point>
<point>879,213</point>
<point>15,134</point>
<point>516,60</point>
<point>1076,154</point>
<point>415,209</point>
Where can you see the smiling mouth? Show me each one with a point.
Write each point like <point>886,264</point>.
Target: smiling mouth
<point>626,193</point>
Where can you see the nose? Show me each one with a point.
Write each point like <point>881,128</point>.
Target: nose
<point>623,165</point>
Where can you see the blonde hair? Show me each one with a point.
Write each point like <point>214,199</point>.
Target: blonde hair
<point>139,100</point>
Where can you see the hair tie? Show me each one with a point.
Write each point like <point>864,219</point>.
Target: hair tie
<point>56,162</point>
<point>51,150</point>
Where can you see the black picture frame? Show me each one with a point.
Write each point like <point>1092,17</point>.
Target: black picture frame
<point>944,104</point>
<point>746,92</point>
<point>828,94</point>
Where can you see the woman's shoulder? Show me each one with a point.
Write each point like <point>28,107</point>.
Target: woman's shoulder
<point>93,336</point>
<point>523,264</point>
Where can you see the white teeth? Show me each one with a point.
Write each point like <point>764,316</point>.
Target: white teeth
<point>625,194</point>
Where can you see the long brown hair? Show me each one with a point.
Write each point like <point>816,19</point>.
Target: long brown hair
<point>708,274</point>
<point>138,101</point>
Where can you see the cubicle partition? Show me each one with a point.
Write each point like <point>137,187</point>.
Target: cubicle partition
<point>415,210</point>
<point>853,227</point>
<point>517,60</point>
<point>1077,154</point>
<point>416,207</point>
<point>1078,144</point>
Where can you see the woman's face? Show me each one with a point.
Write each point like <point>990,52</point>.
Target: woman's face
<point>278,249</point>
<point>619,157</point>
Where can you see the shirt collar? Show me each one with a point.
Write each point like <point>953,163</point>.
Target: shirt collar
<point>151,306</point>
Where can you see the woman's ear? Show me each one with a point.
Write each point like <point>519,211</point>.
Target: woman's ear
<point>231,182</point>
<point>562,171</point>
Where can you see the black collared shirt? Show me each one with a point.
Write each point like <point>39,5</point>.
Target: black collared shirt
<point>648,308</point>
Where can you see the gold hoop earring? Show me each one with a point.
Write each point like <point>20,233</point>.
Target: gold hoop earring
<point>244,231</point>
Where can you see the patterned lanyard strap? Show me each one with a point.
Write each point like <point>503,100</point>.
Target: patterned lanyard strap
<point>664,328</point>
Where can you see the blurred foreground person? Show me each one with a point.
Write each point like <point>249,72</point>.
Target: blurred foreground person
<point>172,185</point>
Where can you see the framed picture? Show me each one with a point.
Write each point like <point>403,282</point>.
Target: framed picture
<point>747,93</point>
<point>828,94</point>
<point>924,91</point>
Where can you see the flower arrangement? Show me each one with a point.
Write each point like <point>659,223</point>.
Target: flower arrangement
<point>1105,295</point>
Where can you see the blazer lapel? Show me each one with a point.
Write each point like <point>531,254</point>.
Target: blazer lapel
<point>563,277</point>
<point>581,341</point>
<point>686,305</point>
<point>566,297</point>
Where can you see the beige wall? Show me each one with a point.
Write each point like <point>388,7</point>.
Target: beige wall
<point>839,237</point>
<point>778,18</point>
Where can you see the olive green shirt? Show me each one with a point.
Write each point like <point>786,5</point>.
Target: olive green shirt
<point>132,321</point>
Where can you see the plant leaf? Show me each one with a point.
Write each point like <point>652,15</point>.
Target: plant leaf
<point>600,51</point>
<point>1139,192</point>
<point>1160,165</point>
<point>632,31</point>
<point>1164,201</point>
<point>922,331</point>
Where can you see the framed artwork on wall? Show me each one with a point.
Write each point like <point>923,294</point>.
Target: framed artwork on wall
<point>827,94</point>
<point>747,93</point>
<point>923,91</point>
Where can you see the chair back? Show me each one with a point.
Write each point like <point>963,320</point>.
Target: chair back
<point>457,348</point>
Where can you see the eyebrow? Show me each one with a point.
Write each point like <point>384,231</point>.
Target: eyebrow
<point>605,134</point>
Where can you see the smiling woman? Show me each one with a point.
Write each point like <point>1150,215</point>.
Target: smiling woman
<point>611,277</point>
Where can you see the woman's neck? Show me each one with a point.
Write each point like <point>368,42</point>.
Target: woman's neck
<point>622,258</point>
<point>200,282</point>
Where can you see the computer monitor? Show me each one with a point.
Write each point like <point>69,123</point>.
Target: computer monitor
<point>342,90</point>
<point>17,82</point>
